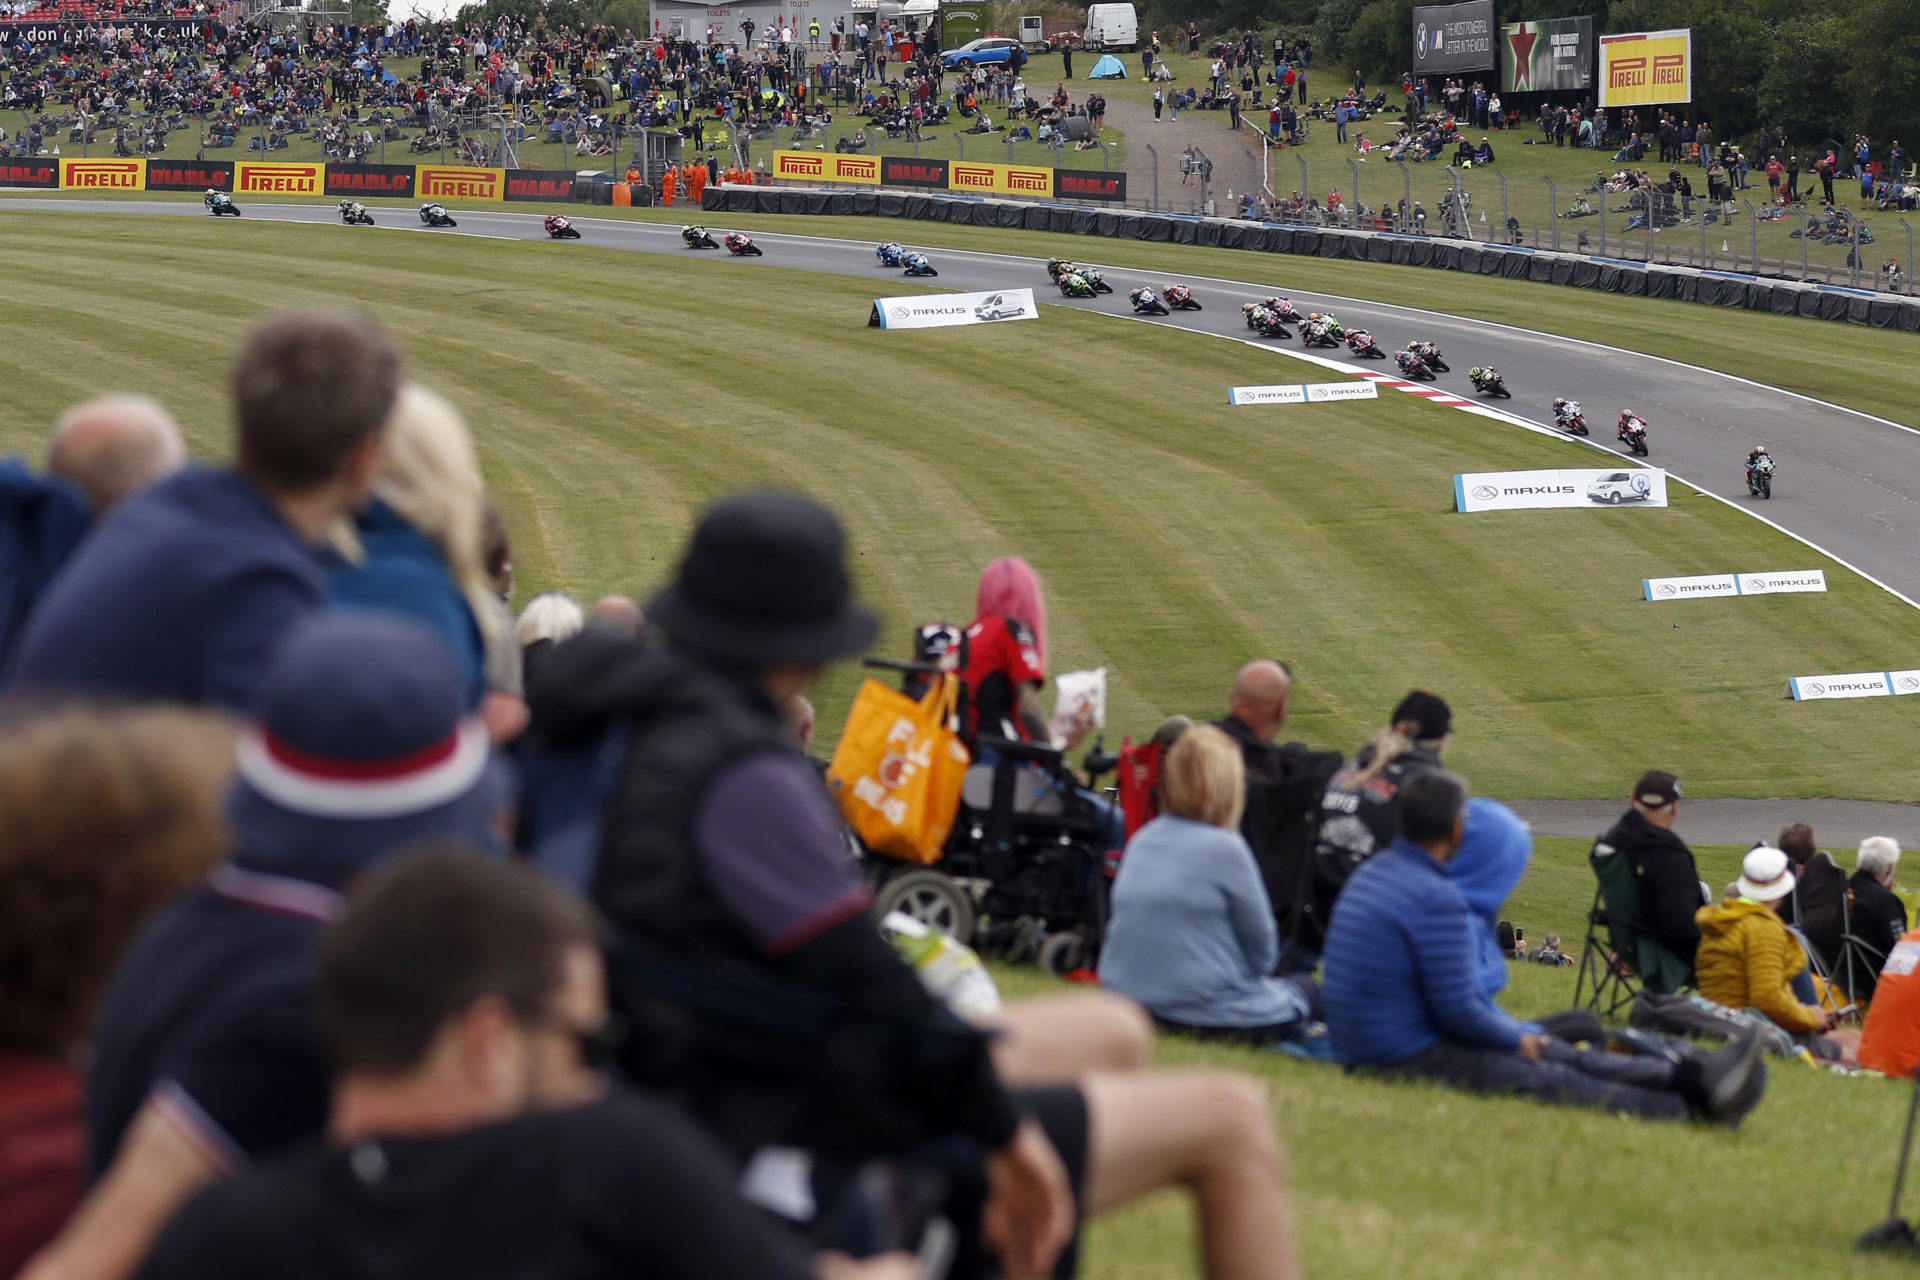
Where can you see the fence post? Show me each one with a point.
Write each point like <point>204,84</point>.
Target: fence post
<point>1306,181</point>
<point>1803,244</point>
<point>1504,214</point>
<point>1653,221</point>
<point>1009,146</point>
<point>1406,180</point>
<point>1155,206</point>
<point>1553,210</point>
<point>961,143</point>
<point>1456,210</point>
<point>1603,220</point>
<point>1106,156</point>
<point>1908,265</point>
<point>1205,164</point>
<point>1853,278</point>
<point>1354,165</point>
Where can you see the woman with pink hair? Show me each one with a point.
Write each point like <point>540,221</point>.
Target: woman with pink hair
<point>1007,655</point>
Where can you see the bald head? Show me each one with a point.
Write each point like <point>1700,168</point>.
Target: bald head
<point>112,447</point>
<point>620,614</point>
<point>1259,698</point>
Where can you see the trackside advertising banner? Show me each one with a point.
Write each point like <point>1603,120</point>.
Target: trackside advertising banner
<point>539,184</point>
<point>189,175</point>
<point>940,310</point>
<point>450,182</point>
<point>1453,37</point>
<point>1311,393</point>
<point>284,179</point>
<point>103,175</point>
<point>817,166</point>
<point>1859,684</point>
<point>1734,584</point>
<point>369,180</point>
<point>1646,66</point>
<point>1543,56</point>
<point>1087,184</point>
<point>1516,490</point>
<point>43,174</point>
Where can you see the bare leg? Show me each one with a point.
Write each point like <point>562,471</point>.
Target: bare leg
<point>1058,1039</point>
<point>1212,1133</point>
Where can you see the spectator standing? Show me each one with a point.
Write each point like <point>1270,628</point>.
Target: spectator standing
<point>108,815</point>
<point>464,1010</point>
<point>101,452</point>
<point>207,1053</point>
<point>1793,179</point>
<point>185,594</point>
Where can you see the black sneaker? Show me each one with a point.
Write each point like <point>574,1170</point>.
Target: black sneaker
<point>1726,1076</point>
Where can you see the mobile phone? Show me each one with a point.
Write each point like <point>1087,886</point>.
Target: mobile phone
<point>1519,935</point>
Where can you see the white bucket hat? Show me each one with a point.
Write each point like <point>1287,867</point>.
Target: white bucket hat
<point>1765,875</point>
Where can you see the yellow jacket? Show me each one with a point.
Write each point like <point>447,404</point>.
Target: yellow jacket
<point>1746,960</point>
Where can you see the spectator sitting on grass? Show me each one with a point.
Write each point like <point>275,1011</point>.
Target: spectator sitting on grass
<point>1193,937</point>
<point>1404,993</point>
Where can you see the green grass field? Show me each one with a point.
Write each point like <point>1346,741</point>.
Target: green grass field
<point>612,395</point>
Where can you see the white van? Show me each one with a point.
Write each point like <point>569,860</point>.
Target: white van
<point>1111,26</point>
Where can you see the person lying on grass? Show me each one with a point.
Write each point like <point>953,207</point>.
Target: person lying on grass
<point>1404,992</point>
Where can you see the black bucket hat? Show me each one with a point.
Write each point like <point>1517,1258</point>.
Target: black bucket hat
<point>764,580</point>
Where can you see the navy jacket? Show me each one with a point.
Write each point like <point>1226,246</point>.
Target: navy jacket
<point>1402,961</point>
<point>182,595</point>
<point>41,521</point>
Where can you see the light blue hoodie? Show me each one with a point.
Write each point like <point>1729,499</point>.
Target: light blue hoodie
<point>1489,863</point>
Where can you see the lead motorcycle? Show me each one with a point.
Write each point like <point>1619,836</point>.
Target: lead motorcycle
<point>698,238</point>
<point>1287,312</point>
<point>354,214</point>
<point>219,203</point>
<point>1147,303</point>
<point>560,227</point>
<point>1633,432</point>
<point>1487,381</point>
<point>1760,477</point>
<point>918,264</point>
<point>1180,298</point>
<point>433,215</point>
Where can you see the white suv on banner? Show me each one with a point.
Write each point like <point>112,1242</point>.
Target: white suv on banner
<point>1734,584</point>
<point>1517,490</point>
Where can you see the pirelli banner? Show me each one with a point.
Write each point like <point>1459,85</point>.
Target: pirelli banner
<point>965,177</point>
<point>261,178</point>
<point>1646,67</point>
<point>103,175</point>
<point>450,182</point>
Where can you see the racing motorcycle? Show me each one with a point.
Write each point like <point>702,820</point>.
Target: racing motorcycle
<point>1633,431</point>
<point>890,254</point>
<point>698,238</point>
<point>1075,285</point>
<point>1488,382</point>
<point>432,215</point>
<point>1059,268</point>
<point>354,214</point>
<point>219,202</point>
<point>1568,417</point>
<point>1760,476</point>
<point>1284,309</point>
<point>559,227</point>
<point>741,245</point>
<point>918,264</point>
<point>1265,321</point>
<point>1361,343</point>
<point>1180,298</point>
<point>1430,353</point>
<point>1319,331</point>
<point>1094,278</point>
<point>1413,366</point>
<point>1147,303</point>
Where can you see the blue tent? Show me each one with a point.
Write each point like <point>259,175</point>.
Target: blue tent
<point>1108,68</point>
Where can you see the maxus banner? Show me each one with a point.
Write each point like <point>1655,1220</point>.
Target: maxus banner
<point>1734,584</point>
<point>1646,66</point>
<point>447,182</point>
<point>1453,37</point>
<point>1311,393</point>
<point>817,166</point>
<point>1545,56</point>
<point>1858,684</point>
<point>943,309</point>
<point>103,175</point>
<point>1515,490</point>
<point>284,179</point>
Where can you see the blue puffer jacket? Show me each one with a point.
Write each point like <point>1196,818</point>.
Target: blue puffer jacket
<point>1403,964</point>
<point>41,521</point>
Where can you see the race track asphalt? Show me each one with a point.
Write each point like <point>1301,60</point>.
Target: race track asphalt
<point>1848,482</point>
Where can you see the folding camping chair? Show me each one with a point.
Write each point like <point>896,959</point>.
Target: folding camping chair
<point>1618,958</point>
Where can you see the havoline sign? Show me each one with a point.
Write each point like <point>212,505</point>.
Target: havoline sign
<point>1453,37</point>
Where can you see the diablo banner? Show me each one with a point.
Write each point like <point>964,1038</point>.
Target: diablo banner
<point>1645,67</point>
<point>1515,490</point>
<point>30,173</point>
<point>287,179</point>
<point>189,175</point>
<point>370,180</point>
<point>905,171</point>
<point>1544,56</point>
<point>540,184</point>
<point>1453,37</point>
<point>1086,184</point>
<point>104,175</point>
<point>815,166</point>
<point>451,182</point>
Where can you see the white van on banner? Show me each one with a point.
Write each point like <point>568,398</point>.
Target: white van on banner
<point>1734,584</point>
<point>1311,393</point>
<point>1516,490</point>
<point>938,310</point>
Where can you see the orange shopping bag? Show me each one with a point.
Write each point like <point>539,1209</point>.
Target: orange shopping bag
<point>898,770</point>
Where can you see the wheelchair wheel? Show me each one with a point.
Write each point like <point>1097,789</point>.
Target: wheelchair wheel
<point>930,897</point>
<point>1062,953</point>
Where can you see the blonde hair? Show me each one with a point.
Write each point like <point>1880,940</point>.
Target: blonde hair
<point>550,616</point>
<point>429,474</point>
<point>1204,778</point>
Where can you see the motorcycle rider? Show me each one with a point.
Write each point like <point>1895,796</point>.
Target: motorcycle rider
<point>892,252</point>
<point>1425,350</point>
<point>1484,376</point>
<point>1565,411</point>
<point>1630,424</point>
<point>1754,455</point>
<point>352,210</point>
<point>1143,299</point>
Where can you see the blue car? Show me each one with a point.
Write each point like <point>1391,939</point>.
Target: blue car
<point>979,53</point>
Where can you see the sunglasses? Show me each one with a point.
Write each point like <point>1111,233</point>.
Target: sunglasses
<point>600,1046</point>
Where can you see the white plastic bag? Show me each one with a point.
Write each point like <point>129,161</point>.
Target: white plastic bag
<point>950,971</point>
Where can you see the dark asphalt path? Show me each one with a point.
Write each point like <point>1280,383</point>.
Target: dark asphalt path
<point>1848,483</point>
